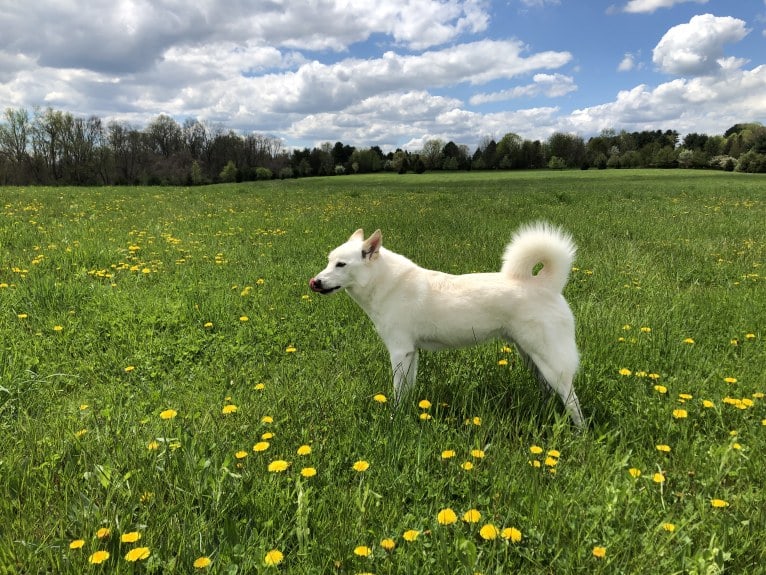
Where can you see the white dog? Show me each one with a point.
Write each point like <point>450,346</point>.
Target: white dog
<point>415,308</point>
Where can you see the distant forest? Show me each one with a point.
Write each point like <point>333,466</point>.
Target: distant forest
<point>52,147</point>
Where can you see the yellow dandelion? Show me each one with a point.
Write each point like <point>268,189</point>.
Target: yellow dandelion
<point>551,461</point>
<point>625,371</point>
<point>266,436</point>
<point>130,537</point>
<point>680,414</point>
<point>685,396</point>
<point>290,349</point>
<point>599,552</point>
<point>362,551</point>
<point>635,473</point>
<point>511,534</point>
<point>749,336</point>
<point>654,376</point>
<point>658,478</point>
<point>58,328</point>
<point>411,535</point>
<point>129,368</point>
<point>267,419</point>
<point>241,454</point>
<point>361,466</point>
<point>273,558</point>
<point>661,389</point>
<point>22,316</point>
<point>425,417</point>
<point>554,453</point>
<point>98,557</point>
<point>153,445</point>
<point>689,341</point>
<point>646,329</point>
<point>259,386</point>
<point>707,404</point>
<point>535,463</point>
<point>202,562</point>
<point>448,454</point>
<point>489,532</point>
<point>719,503</point>
<point>424,404</point>
<point>304,450</point>
<point>261,446</point>
<point>669,527</point>
<point>535,450</point>
<point>308,472</point>
<point>502,362</point>
<point>446,516</point>
<point>103,533</point>
<point>730,379</point>
<point>472,516</point>
<point>476,421</point>
<point>278,466</point>
<point>662,447</point>
<point>736,446</point>
<point>77,544</point>
<point>477,453</point>
<point>388,544</point>
<point>208,324</point>
<point>79,434</point>
<point>380,398</point>
<point>228,409</point>
<point>467,466</point>
<point>244,318</point>
<point>168,414</point>
<point>137,554</point>
<point>627,327</point>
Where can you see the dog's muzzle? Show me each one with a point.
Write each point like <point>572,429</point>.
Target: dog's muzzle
<point>317,286</point>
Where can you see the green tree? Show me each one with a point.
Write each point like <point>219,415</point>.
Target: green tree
<point>229,172</point>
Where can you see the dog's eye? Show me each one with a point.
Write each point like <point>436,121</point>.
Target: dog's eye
<point>340,265</point>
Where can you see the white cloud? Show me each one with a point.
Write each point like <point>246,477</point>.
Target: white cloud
<point>540,3</point>
<point>706,104</point>
<point>549,85</point>
<point>650,6</point>
<point>695,48</point>
<point>626,64</point>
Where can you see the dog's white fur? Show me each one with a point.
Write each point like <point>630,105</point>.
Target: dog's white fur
<point>414,308</point>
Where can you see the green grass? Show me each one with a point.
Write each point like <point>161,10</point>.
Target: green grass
<point>150,288</point>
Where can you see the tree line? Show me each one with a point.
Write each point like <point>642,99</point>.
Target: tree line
<point>53,147</point>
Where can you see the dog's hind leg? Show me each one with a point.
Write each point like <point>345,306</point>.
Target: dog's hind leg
<point>555,369</point>
<point>532,367</point>
<point>405,368</point>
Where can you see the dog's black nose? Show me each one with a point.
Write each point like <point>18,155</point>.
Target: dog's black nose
<point>315,284</point>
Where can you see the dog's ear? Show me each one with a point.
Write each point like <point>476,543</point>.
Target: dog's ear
<point>357,235</point>
<point>371,246</point>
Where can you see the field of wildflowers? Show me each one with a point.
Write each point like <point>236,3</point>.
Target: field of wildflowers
<point>173,399</point>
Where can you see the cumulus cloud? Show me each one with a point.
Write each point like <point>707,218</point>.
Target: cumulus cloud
<point>696,48</point>
<point>549,85</point>
<point>650,6</point>
<point>702,104</point>
<point>627,63</point>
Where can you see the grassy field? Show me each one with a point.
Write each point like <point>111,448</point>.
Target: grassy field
<point>172,395</point>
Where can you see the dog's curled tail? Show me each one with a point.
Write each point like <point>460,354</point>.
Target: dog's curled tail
<point>536,244</point>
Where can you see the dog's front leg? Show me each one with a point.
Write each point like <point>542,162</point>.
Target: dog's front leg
<point>405,368</point>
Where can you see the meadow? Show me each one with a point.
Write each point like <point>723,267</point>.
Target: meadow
<point>174,399</point>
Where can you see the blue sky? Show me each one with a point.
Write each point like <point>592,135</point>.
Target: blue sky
<point>393,74</point>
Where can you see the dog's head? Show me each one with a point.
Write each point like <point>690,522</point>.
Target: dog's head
<point>348,265</point>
